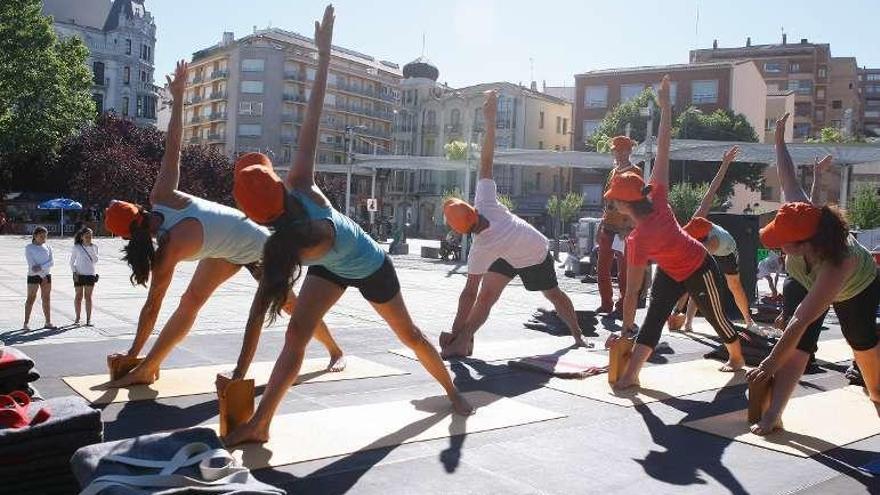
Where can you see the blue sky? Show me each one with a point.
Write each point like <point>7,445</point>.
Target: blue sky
<point>473,41</point>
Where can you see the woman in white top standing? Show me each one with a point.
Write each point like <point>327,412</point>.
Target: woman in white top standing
<point>40,261</point>
<point>83,258</point>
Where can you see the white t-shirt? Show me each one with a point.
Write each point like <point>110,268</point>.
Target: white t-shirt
<point>508,236</point>
<point>83,259</point>
<point>39,255</point>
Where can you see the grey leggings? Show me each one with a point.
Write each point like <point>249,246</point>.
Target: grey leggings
<point>706,286</point>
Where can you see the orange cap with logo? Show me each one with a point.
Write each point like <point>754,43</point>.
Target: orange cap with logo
<point>794,222</point>
<point>621,143</point>
<point>119,216</point>
<point>461,216</point>
<point>698,228</point>
<point>257,189</point>
<point>627,186</point>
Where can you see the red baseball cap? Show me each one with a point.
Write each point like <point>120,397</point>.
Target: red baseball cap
<point>794,222</point>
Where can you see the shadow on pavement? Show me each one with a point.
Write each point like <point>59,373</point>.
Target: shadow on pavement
<point>21,336</point>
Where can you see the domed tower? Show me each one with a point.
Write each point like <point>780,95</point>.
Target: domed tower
<point>421,68</point>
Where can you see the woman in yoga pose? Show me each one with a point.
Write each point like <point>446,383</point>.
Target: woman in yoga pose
<point>831,268</point>
<point>683,264</point>
<point>339,254</point>
<point>187,228</point>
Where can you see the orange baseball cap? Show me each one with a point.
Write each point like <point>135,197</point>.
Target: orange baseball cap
<point>622,142</point>
<point>119,216</point>
<point>698,228</point>
<point>794,222</point>
<point>627,186</point>
<point>461,216</point>
<point>257,189</point>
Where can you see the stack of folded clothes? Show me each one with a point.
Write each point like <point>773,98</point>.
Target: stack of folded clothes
<point>37,440</point>
<point>17,371</point>
<point>184,461</point>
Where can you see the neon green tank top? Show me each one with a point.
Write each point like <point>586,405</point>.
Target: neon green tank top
<point>861,278</point>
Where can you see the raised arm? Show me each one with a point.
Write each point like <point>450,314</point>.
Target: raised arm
<point>487,154</point>
<point>706,204</point>
<point>660,175</point>
<point>820,167</point>
<point>165,187</point>
<point>302,173</point>
<point>791,189</point>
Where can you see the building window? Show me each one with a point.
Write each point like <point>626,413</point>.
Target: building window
<point>556,148</point>
<point>250,108</point>
<point>820,93</point>
<point>596,97</point>
<point>673,91</point>
<point>630,91</point>
<point>98,73</point>
<point>143,76</point>
<point>590,127</point>
<point>823,71</point>
<point>565,126</point>
<point>802,130</point>
<point>872,114</point>
<point>125,104</point>
<point>540,145</point>
<point>140,106</point>
<point>803,109</point>
<point>770,125</point>
<point>541,121</point>
<point>252,87</point>
<point>872,77</point>
<point>773,67</point>
<point>592,194</point>
<point>836,104</point>
<point>794,68</point>
<point>126,75</point>
<point>801,86</point>
<point>149,107</point>
<point>250,130</point>
<point>98,98</point>
<point>558,125</point>
<point>768,194</point>
<point>506,118</point>
<point>820,115</point>
<point>128,47</point>
<point>252,64</point>
<point>704,91</point>
<point>455,117</point>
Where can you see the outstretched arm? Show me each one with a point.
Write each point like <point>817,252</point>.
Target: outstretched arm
<point>706,204</point>
<point>791,190</point>
<point>487,154</point>
<point>660,175</point>
<point>165,187</point>
<point>252,332</point>
<point>160,280</point>
<point>302,173</point>
<point>820,167</point>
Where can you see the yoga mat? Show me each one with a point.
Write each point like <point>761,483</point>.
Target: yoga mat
<point>200,380</point>
<point>813,423</point>
<point>834,351</point>
<point>305,436</point>
<point>658,382</point>
<point>504,350</point>
<point>571,363</point>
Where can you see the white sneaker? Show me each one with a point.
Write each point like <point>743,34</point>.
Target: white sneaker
<point>754,328</point>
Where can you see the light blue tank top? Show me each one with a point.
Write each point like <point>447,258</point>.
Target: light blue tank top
<point>726,242</point>
<point>354,254</point>
<point>227,233</point>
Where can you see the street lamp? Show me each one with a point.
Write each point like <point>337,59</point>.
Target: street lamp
<point>349,131</point>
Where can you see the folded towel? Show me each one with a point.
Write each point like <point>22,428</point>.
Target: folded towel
<point>19,382</point>
<point>43,467</point>
<point>59,484</point>
<point>95,461</point>
<point>68,414</point>
<point>48,445</point>
<point>14,362</point>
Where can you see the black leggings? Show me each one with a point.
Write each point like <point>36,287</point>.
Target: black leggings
<point>857,315</point>
<point>706,286</point>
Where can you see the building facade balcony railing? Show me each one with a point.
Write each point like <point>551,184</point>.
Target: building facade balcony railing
<point>294,97</point>
<point>217,95</point>
<point>288,139</point>
<point>379,114</point>
<point>194,99</point>
<point>291,75</point>
<point>362,90</point>
<point>145,87</point>
<point>195,140</point>
<point>220,74</point>
<point>217,116</point>
<point>195,119</point>
<point>197,80</point>
<point>216,137</point>
<point>291,117</point>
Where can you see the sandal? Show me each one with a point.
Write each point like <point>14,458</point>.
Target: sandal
<point>14,411</point>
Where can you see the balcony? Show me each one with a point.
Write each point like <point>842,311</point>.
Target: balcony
<point>216,137</point>
<point>294,97</point>
<point>195,119</point>
<point>195,99</point>
<point>217,95</point>
<point>217,116</point>
<point>194,140</point>
<point>291,117</point>
<point>290,75</point>
<point>379,114</point>
<point>197,80</point>
<point>100,81</point>
<point>145,87</point>
<point>220,74</point>
<point>288,139</point>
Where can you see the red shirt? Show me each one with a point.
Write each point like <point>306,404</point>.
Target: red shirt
<point>658,237</point>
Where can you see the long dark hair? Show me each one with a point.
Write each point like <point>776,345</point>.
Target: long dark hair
<point>38,230</point>
<point>643,206</point>
<point>78,237</point>
<point>830,241</point>
<point>282,260</point>
<point>140,252</point>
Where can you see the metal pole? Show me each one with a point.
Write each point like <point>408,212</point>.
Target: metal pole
<point>558,214</point>
<point>844,185</point>
<point>350,160</point>
<point>373,196</point>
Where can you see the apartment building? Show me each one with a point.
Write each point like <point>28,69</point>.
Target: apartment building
<point>121,38</point>
<point>250,94</point>
<point>869,82</point>
<point>737,86</point>
<point>825,87</point>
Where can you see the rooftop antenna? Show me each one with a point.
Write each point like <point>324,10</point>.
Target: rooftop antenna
<point>697,26</point>
<point>424,43</point>
<point>531,69</point>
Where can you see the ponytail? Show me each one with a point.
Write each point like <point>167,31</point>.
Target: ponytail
<point>830,240</point>
<point>140,253</point>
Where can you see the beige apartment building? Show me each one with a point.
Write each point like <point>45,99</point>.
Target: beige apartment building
<point>869,82</point>
<point>250,94</point>
<point>825,87</point>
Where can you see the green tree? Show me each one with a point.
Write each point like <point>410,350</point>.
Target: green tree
<point>44,82</point>
<point>833,135</point>
<point>864,209</point>
<point>615,122</point>
<point>507,201</point>
<point>567,209</point>
<point>457,150</point>
<point>684,198</point>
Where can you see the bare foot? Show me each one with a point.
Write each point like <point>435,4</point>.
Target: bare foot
<point>732,366</point>
<point>460,405</point>
<point>137,376</point>
<point>623,384</point>
<point>766,427</point>
<point>25,326</point>
<point>458,347</point>
<point>246,433</point>
<point>337,363</point>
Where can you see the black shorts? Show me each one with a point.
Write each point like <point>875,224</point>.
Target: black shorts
<point>538,277</point>
<point>36,279</point>
<point>729,265</point>
<point>379,288</point>
<point>84,280</point>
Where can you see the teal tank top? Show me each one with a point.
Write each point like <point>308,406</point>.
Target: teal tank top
<point>354,254</point>
<point>226,232</point>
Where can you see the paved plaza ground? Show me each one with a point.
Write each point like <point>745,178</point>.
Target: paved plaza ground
<point>596,448</point>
